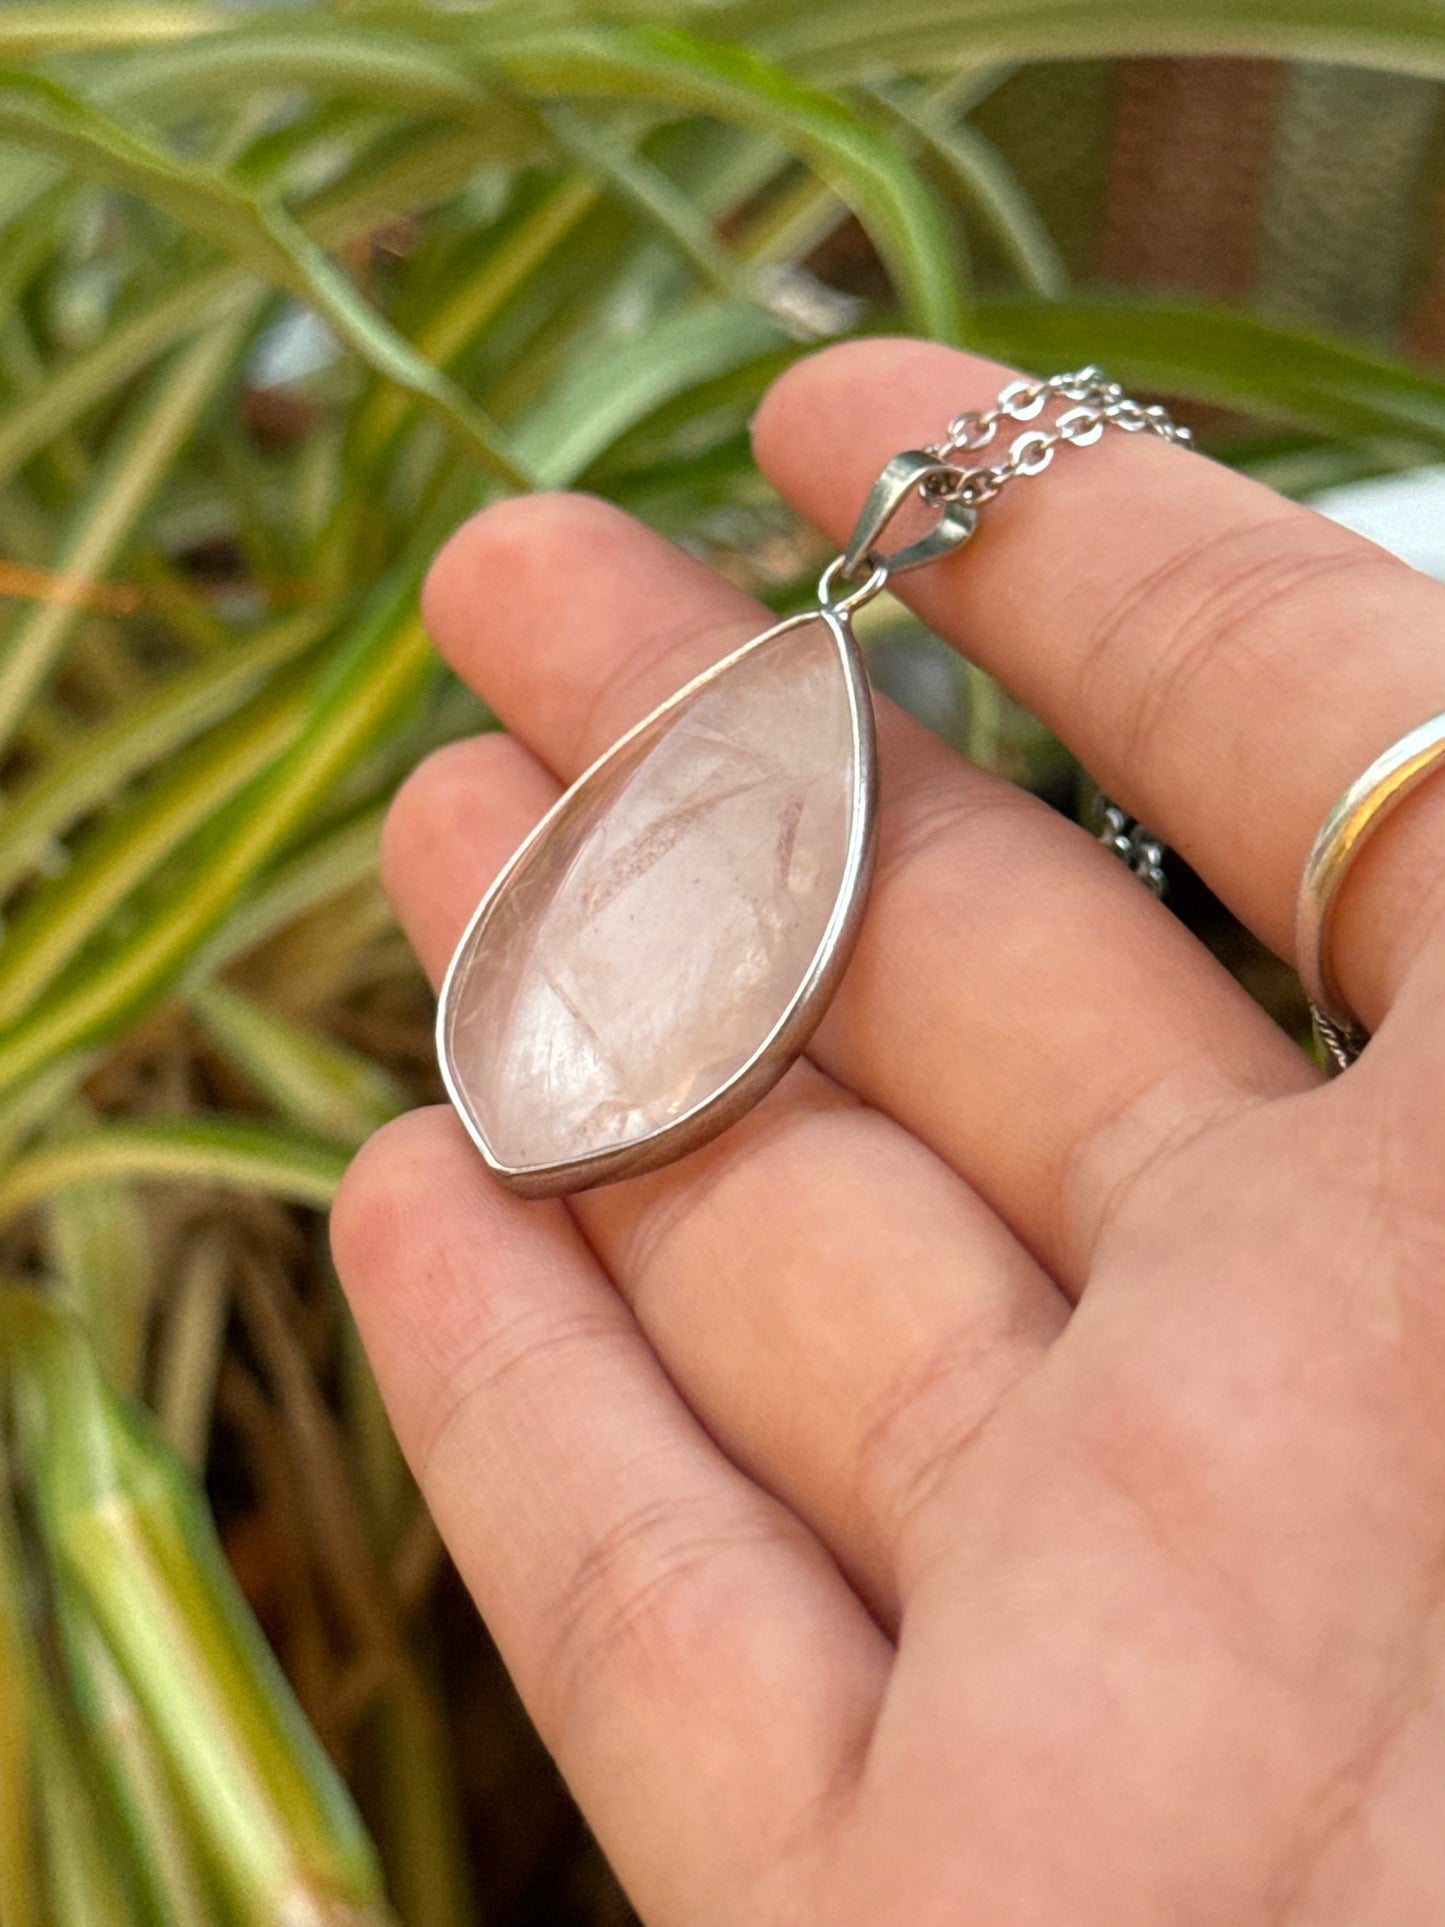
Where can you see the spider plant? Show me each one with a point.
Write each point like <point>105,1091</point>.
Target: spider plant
<point>284,292</point>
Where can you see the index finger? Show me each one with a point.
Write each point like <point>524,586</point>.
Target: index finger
<point>1224,661</point>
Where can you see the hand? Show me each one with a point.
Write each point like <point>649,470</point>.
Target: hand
<point>1003,1480</point>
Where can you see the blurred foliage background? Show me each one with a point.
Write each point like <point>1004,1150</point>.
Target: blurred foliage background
<point>284,293</point>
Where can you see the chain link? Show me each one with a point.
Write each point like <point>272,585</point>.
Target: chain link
<point>1137,848</point>
<point>1096,403</point>
<point>1084,403</point>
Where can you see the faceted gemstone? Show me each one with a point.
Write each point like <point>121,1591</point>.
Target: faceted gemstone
<point>653,936</point>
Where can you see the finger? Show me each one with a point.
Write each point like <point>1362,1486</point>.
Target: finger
<point>1224,661</point>
<point>1017,1001</point>
<point>690,1654</point>
<point>837,1307</point>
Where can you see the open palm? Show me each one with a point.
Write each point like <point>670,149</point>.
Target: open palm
<point>1003,1480</point>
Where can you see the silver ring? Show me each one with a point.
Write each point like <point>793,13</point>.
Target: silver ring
<point>1365,805</point>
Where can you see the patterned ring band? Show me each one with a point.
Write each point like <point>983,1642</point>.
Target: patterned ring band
<point>1344,832</point>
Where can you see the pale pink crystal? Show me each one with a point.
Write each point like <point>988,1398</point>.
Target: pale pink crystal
<point>652,939</point>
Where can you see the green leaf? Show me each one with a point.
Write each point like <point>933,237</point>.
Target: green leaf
<point>680,70</point>
<point>1227,358</point>
<point>987,187</point>
<point>58,1861</point>
<point>20,1900</point>
<point>97,1238</point>
<point>1304,466</point>
<point>189,1341</point>
<point>379,672</point>
<point>72,387</point>
<point>275,52</point>
<point>852,39</point>
<point>411,169</point>
<point>616,163</point>
<point>172,1890</point>
<point>137,462</point>
<point>56,27</point>
<point>87,1879</point>
<point>609,391</point>
<point>58,921</point>
<point>41,1098</point>
<point>132,1538</point>
<point>464,308</point>
<point>334,861</point>
<point>317,1084</point>
<point>208,1148</point>
<point>99,761</point>
<point>430,164</point>
<point>260,235</point>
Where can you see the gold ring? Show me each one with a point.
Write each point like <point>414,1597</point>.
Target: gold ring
<point>1348,827</point>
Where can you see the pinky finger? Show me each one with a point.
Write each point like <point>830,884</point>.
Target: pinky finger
<point>705,1678</point>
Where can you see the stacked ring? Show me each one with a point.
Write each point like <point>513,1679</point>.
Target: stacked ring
<point>1365,805</point>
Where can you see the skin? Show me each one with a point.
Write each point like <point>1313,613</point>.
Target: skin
<point>1004,1478</point>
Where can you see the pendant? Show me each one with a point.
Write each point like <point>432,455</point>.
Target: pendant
<point>661,947</point>
<point>664,943</point>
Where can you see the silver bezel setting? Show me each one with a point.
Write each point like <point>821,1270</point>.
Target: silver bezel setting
<point>805,1009</point>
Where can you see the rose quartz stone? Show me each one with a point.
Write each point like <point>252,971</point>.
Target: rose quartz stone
<point>654,935</point>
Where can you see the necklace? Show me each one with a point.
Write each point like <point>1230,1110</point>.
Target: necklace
<point>664,943</point>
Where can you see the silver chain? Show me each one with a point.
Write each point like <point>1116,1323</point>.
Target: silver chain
<point>1096,404</point>
<point>1088,403</point>
<point>1137,848</point>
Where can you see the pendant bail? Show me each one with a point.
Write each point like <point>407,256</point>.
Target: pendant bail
<point>905,475</point>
